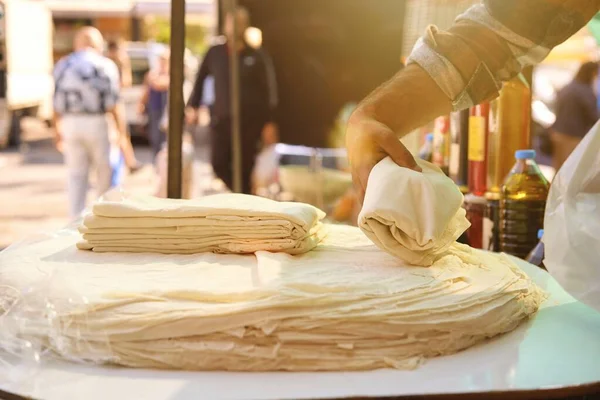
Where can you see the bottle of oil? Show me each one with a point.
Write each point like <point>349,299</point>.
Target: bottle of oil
<point>475,207</point>
<point>510,130</point>
<point>514,122</point>
<point>493,179</point>
<point>478,143</point>
<point>522,204</point>
<point>459,148</point>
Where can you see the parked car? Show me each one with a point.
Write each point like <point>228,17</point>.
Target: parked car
<point>144,55</point>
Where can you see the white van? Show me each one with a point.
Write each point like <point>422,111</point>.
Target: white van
<point>26,64</point>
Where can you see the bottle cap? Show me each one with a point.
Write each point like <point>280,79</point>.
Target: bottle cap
<point>525,154</point>
<point>492,196</point>
<point>474,199</point>
<point>540,234</point>
<point>429,137</point>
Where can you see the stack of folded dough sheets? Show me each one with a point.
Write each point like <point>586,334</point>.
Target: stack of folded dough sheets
<point>224,223</point>
<point>346,305</point>
<point>415,216</point>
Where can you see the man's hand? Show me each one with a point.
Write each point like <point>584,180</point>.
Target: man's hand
<point>58,133</point>
<point>270,134</point>
<point>141,108</point>
<point>368,142</point>
<point>58,141</point>
<point>191,116</point>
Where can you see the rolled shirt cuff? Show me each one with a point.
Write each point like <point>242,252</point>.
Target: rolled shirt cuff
<point>443,72</point>
<point>480,75</point>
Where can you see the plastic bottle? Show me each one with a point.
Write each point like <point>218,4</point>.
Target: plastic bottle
<point>536,257</point>
<point>478,137</point>
<point>441,144</point>
<point>426,152</point>
<point>522,204</point>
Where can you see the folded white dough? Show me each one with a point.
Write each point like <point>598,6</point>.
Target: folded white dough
<point>225,223</point>
<point>412,215</point>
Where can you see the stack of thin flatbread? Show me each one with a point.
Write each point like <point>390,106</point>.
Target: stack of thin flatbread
<point>224,223</point>
<point>346,305</point>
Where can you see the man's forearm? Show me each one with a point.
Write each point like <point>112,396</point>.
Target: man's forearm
<point>409,100</point>
<point>492,42</point>
<point>160,82</point>
<point>127,77</point>
<point>57,120</point>
<point>118,113</point>
<point>58,131</point>
<point>195,99</point>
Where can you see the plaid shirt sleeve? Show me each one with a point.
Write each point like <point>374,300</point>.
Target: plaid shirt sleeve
<point>492,41</point>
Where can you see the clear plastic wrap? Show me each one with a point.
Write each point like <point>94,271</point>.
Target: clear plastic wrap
<point>34,329</point>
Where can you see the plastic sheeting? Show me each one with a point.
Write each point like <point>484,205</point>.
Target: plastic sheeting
<point>572,222</point>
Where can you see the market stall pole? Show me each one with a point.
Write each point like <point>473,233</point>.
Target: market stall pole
<point>176,101</point>
<point>236,140</point>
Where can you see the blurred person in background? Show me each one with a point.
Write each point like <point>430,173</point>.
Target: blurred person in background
<point>266,165</point>
<point>154,100</point>
<point>257,103</point>
<point>87,89</point>
<point>116,52</point>
<point>576,113</point>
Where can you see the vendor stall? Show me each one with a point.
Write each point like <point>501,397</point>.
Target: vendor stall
<point>242,297</point>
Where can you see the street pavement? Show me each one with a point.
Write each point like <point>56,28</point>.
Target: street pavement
<point>33,196</point>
